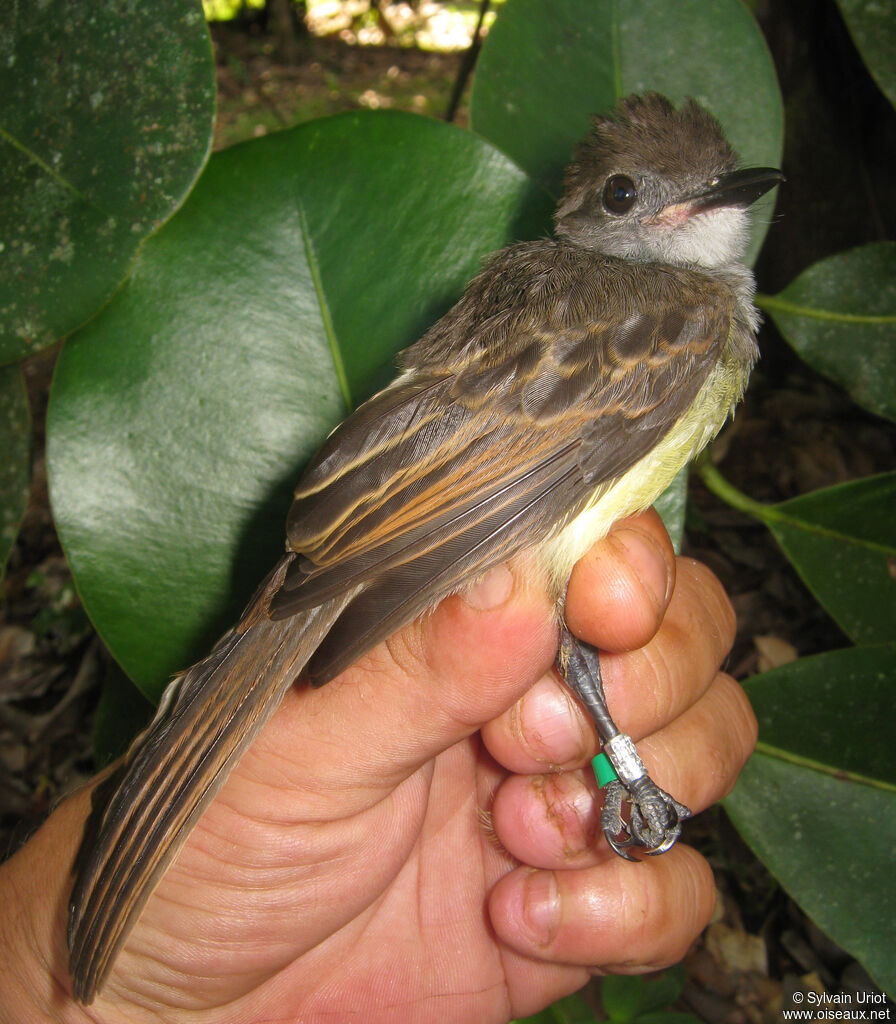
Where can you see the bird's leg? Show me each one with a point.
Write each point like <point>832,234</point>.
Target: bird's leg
<point>654,821</point>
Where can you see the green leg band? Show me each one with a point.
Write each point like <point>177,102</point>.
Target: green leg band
<point>604,772</point>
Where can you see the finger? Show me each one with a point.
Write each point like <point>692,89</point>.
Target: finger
<point>552,821</point>
<point>616,917</point>
<point>545,730</point>
<point>701,754</point>
<point>649,687</point>
<point>646,688</point>
<point>619,590</point>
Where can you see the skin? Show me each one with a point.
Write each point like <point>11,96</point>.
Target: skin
<point>417,840</point>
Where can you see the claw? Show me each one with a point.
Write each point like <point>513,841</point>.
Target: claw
<point>613,824</point>
<point>621,848</point>
<point>654,822</point>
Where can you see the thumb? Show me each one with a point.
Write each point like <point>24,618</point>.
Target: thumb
<point>433,683</point>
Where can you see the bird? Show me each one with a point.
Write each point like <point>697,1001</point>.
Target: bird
<point>573,379</point>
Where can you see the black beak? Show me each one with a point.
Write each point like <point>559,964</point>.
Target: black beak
<point>739,188</point>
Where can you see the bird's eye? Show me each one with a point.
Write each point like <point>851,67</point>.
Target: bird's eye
<point>620,194</point>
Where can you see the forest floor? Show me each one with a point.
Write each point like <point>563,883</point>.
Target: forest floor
<point>786,440</point>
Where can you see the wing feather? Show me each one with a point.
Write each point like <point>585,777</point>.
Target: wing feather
<point>411,587</point>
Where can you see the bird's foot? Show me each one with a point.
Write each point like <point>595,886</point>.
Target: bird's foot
<point>654,817</point>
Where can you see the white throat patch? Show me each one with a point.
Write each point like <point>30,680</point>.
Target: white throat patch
<point>710,238</point>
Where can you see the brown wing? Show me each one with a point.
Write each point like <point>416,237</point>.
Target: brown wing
<point>553,375</point>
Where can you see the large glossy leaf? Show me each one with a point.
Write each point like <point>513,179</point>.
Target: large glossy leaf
<point>545,69</point>
<point>181,416</point>
<point>817,802</point>
<point>842,541</point>
<point>840,316</point>
<point>873,29</point>
<point>15,443</point>
<point>106,113</point>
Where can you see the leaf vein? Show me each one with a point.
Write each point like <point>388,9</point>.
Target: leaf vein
<point>326,317</point>
<point>775,304</point>
<point>801,761</point>
<point>43,165</point>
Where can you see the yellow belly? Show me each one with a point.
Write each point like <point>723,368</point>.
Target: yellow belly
<point>641,485</point>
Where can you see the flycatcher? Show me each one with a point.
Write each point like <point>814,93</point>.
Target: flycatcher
<point>564,391</point>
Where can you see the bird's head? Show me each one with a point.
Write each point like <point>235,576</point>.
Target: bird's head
<point>652,183</point>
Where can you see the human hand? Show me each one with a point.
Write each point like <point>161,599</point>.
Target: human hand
<point>347,869</point>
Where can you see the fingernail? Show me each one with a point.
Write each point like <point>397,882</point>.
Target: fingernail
<point>490,590</point>
<point>541,906</point>
<point>648,559</point>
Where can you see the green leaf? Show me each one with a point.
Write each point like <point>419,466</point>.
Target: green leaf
<point>634,998</point>
<point>570,1010</point>
<point>15,443</point>
<point>817,802</point>
<point>545,69</point>
<point>122,712</point>
<point>826,712</point>
<point>621,996</point>
<point>661,991</point>
<point>668,1017</point>
<point>181,416</point>
<point>840,317</point>
<point>672,506</point>
<point>105,121</point>
<point>873,29</point>
<point>842,542</point>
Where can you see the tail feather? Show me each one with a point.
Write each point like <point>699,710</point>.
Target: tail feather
<point>176,767</point>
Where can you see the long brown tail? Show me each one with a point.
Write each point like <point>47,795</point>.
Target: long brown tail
<point>206,719</point>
